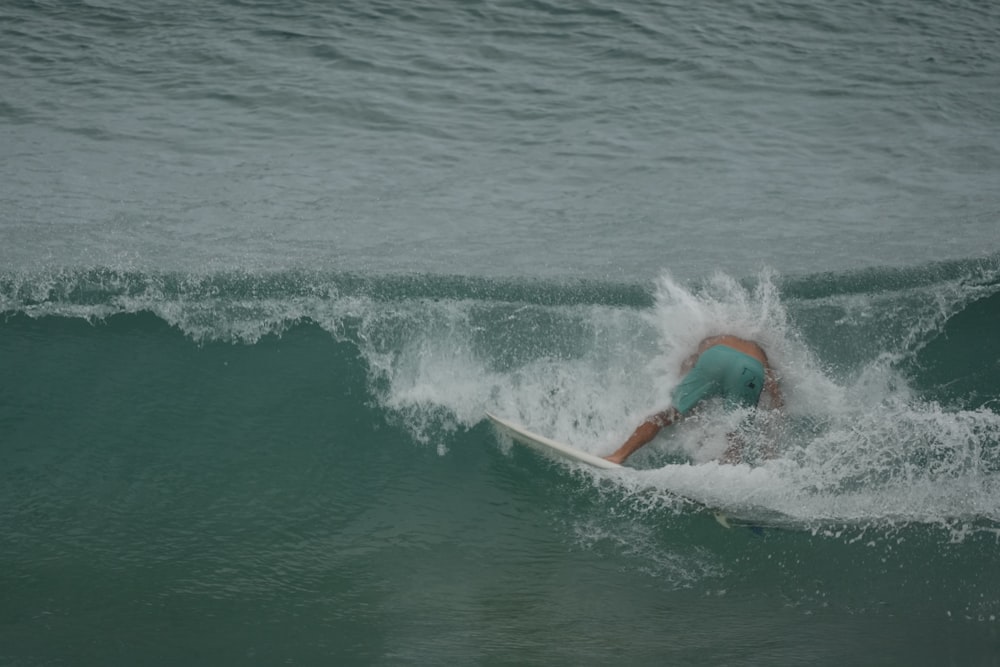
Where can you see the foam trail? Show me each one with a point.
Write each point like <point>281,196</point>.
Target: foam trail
<point>856,447</point>
<point>864,448</point>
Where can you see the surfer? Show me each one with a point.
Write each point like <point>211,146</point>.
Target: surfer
<point>727,366</point>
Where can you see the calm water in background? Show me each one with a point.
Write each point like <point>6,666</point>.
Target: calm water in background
<point>263,266</point>
<point>510,138</point>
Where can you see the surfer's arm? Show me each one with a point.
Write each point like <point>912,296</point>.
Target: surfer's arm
<point>646,431</point>
<point>734,452</point>
<point>773,389</point>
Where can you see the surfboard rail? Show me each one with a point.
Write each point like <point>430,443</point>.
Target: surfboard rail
<point>561,450</point>
<point>548,445</point>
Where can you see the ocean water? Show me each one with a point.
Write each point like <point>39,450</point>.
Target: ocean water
<point>265,265</point>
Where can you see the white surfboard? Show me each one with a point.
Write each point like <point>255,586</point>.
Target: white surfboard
<point>564,451</point>
<point>547,445</point>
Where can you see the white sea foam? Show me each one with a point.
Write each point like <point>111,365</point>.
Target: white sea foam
<point>856,446</point>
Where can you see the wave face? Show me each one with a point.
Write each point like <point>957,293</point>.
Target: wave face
<point>176,444</point>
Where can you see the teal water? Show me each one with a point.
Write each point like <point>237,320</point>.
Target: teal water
<point>264,266</point>
<point>295,467</point>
